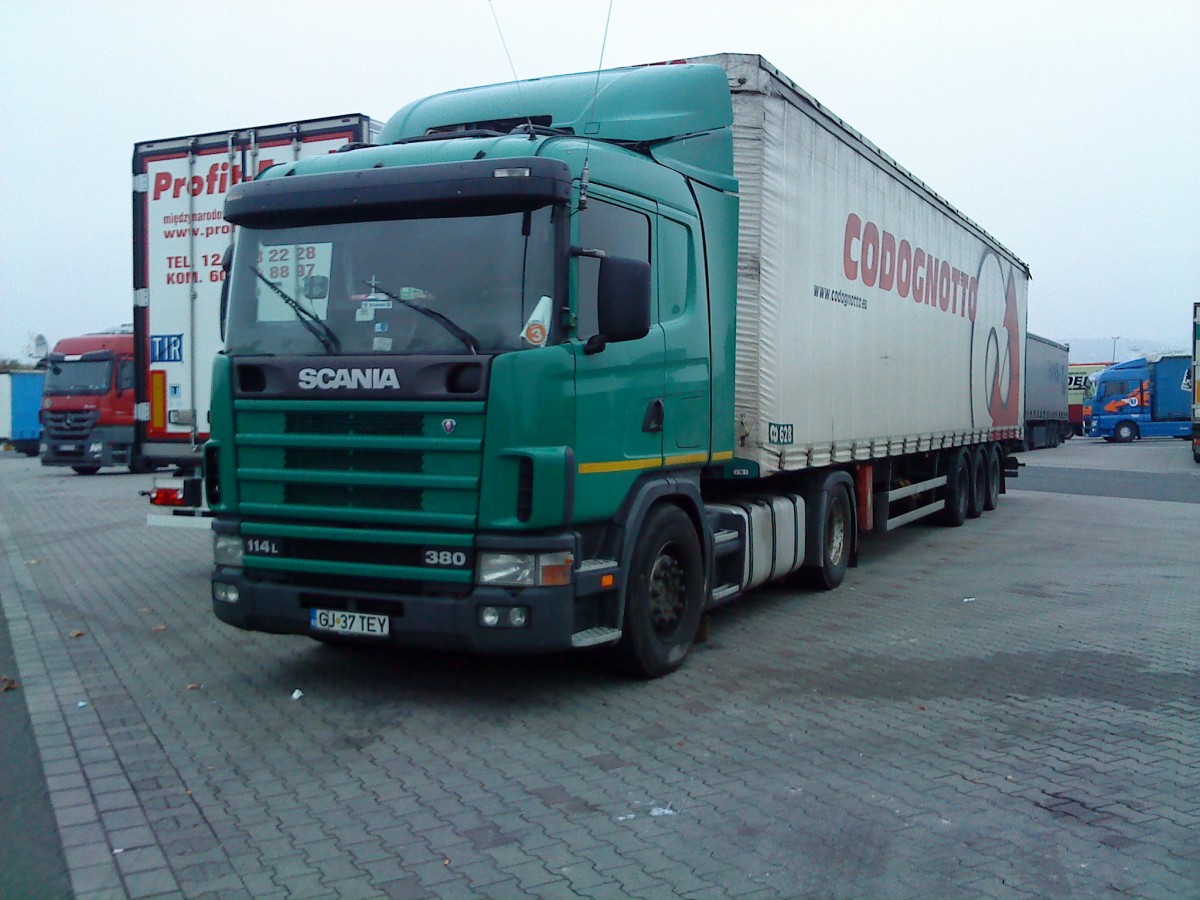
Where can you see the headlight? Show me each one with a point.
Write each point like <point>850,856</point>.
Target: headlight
<point>525,569</point>
<point>227,550</point>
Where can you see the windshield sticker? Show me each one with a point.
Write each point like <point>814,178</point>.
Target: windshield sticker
<point>381,327</point>
<point>371,303</point>
<point>381,344</point>
<point>299,270</point>
<point>364,315</point>
<point>537,328</point>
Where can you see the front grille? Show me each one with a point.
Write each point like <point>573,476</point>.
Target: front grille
<point>352,496</point>
<point>395,424</point>
<point>352,460</point>
<point>414,464</point>
<point>70,425</point>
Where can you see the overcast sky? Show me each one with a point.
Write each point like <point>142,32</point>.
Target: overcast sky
<point>1066,129</point>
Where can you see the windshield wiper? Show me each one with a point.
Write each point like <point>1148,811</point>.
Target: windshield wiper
<point>315,325</point>
<point>469,340</point>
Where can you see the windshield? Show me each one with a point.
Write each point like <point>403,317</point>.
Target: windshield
<point>79,377</point>
<point>455,285</point>
<point>1119,388</point>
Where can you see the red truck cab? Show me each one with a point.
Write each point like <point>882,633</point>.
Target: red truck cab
<point>87,410</point>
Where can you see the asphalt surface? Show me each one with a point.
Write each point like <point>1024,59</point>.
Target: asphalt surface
<point>1009,709</point>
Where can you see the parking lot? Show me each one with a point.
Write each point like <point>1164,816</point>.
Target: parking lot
<point>1007,709</point>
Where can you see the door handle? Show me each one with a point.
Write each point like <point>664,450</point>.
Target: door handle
<point>652,423</point>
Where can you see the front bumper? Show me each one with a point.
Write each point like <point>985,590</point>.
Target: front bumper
<point>443,622</point>
<point>104,446</point>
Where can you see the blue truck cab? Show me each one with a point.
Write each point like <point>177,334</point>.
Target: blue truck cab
<point>1144,397</point>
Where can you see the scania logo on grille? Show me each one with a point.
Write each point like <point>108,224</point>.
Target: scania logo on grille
<point>448,426</point>
<point>366,379</point>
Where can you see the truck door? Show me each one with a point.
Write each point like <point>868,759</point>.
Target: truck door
<point>683,315</point>
<point>620,397</point>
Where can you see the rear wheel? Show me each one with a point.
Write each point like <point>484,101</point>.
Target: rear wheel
<point>86,470</point>
<point>664,597</point>
<point>958,491</point>
<point>991,497</point>
<point>979,487</point>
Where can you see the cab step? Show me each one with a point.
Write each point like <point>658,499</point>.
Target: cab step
<point>594,636</point>
<point>723,594</point>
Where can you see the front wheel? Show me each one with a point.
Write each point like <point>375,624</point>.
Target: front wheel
<point>664,597</point>
<point>86,470</point>
<point>1125,432</point>
<point>837,539</point>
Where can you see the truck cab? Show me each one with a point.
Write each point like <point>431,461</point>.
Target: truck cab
<point>87,410</point>
<point>451,367</point>
<point>1145,397</point>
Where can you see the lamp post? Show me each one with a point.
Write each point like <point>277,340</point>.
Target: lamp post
<point>1114,350</point>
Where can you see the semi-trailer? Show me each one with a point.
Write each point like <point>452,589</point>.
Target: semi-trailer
<point>1080,386</point>
<point>1195,382</point>
<point>179,239</point>
<point>564,363</point>
<point>1046,416</point>
<point>20,404</point>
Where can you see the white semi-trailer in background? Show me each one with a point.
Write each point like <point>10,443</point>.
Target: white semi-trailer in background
<point>179,238</point>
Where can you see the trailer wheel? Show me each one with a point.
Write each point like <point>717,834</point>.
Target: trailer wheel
<point>86,470</point>
<point>665,595</point>
<point>991,496</point>
<point>836,542</point>
<point>958,491</point>
<point>1125,432</point>
<point>978,497</point>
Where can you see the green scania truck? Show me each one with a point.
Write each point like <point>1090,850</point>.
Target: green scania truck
<point>563,363</point>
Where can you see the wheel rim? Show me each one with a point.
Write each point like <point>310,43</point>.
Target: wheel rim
<point>836,531</point>
<point>666,593</point>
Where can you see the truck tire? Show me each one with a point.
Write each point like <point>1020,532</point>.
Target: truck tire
<point>958,490</point>
<point>836,541</point>
<point>978,498</point>
<point>86,470</point>
<point>1125,432</point>
<point>991,496</point>
<point>664,597</point>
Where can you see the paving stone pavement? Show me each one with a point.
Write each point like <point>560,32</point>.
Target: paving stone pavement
<point>1008,709</point>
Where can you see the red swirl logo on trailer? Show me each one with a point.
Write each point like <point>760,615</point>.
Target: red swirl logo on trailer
<point>996,344</point>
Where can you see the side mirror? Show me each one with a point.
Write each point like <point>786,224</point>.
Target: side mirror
<point>226,265</point>
<point>622,301</point>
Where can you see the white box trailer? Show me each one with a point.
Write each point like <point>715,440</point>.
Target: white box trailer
<point>873,318</point>
<point>1046,421</point>
<point>179,238</point>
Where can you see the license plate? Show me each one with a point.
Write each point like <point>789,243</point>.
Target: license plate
<point>68,448</point>
<point>348,622</point>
